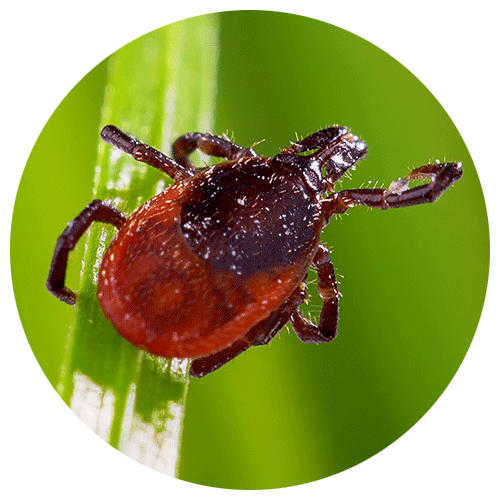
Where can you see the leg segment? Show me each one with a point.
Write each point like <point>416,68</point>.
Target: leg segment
<point>145,154</point>
<point>262,333</point>
<point>398,194</point>
<point>96,211</point>
<point>209,144</point>
<point>307,331</point>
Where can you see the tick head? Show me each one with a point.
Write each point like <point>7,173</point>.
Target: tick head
<point>334,152</point>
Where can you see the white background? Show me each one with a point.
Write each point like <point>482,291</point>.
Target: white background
<point>453,452</point>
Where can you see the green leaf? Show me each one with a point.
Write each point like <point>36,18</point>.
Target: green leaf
<point>158,87</point>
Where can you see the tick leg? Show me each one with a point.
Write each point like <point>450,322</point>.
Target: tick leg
<point>145,154</point>
<point>96,211</point>
<point>209,144</point>
<point>262,333</point>
<point>398,194</point>
<point>307,331</point>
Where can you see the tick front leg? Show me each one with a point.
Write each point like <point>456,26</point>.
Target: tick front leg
<point>96,211</point>
<point>326,330</point>
<point>145,154</point>
<point>262,333</point>
<point>398,194</point>
<point>209,144</point>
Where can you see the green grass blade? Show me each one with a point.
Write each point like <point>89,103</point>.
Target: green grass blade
<point>159,86</point>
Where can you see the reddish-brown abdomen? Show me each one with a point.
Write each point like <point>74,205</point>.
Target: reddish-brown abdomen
<point>174,299</point>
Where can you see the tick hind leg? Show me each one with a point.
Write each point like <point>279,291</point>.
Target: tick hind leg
<point>145,154</point>
<point>260,334</point>
<point>209,144</point>
<point>326,330</point>
<point>96,211</point>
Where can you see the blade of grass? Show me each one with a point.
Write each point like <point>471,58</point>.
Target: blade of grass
<point>159,86</point>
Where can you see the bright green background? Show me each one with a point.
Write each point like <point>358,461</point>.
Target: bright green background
<point>413,280</point>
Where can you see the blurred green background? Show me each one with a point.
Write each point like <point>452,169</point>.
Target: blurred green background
<point>413,280</point>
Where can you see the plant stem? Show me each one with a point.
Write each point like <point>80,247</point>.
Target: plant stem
<point>159,86</point>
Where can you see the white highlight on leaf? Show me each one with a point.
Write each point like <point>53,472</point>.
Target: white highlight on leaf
<point>157,448</point>
<point>92,405</point>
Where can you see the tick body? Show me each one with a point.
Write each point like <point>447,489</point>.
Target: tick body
<point>218,261</point>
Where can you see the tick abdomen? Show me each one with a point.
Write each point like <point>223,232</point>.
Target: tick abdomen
<point>163,296</point>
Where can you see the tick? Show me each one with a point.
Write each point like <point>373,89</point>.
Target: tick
<point>218,261</point>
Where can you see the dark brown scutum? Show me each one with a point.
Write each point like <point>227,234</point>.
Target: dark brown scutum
<point>251,217</point>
